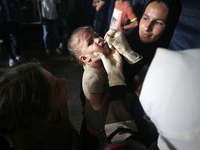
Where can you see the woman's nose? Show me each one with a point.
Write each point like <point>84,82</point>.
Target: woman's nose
<point>148,26</point>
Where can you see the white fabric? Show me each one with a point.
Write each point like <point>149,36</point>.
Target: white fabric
<point>119,116</point>
<point>127,124</point>
<point>49,10</point>
<point>171,97</point>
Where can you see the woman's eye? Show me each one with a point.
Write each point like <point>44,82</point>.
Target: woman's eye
<point>159,23</point>
<point>145,18</point>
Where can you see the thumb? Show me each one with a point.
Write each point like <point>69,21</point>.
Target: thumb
<point>109,39</point>
<point>105,60</point>
<point>99,54</point>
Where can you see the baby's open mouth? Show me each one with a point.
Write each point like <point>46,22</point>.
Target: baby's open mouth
<point>104,43</point>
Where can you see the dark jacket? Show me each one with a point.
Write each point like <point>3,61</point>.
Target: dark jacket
<point>12,9</point>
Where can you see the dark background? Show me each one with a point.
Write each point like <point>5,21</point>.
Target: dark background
<point>81,12</point>
<point>186,35</point>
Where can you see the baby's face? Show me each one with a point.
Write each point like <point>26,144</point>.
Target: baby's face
<point>91,42</point>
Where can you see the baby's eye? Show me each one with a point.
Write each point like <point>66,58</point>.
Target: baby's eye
<point>90,43</point>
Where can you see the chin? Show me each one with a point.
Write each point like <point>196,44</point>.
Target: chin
<point>107,52</point>
<point>145,41</point>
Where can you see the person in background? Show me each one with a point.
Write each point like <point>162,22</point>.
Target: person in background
<point>34,113</point>
<point>110,12</point>
<point>100,20</point>
<point>64,32</point>
<point>10,26</point>
<point>49,13</point>
<point>123,17</point>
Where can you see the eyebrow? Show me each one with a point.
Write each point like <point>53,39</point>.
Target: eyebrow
<point>155,18</point>
<point>86,37</point>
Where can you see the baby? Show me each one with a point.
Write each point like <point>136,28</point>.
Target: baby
<point>82,44</point>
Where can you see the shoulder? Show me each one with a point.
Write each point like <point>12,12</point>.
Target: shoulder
<point>93,76</point>
<point>89,70</point>
<point>127,4</point>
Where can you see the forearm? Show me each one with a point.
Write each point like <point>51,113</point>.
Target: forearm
<point>105,99</point>
<point>39,9</point>
<point>131,25</point>
<point>99,5</point>
<point>117,92</point>
<point>99,101</point>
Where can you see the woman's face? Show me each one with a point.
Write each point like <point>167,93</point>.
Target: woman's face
<point>58,90</point>
<point>153,22</point>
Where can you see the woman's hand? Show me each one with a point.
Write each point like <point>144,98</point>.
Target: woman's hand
<point>114,67</point>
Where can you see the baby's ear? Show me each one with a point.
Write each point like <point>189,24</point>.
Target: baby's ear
<point>84,58</point>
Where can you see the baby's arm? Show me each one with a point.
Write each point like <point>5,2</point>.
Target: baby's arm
<point>99,100</point>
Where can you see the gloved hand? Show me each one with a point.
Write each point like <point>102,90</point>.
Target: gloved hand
<point>117,39</point>
<point>114,67</point>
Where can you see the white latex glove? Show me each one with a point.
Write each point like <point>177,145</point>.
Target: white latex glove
<point>114,67</point>
<point>117,39</point>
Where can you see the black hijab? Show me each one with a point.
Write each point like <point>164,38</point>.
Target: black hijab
<point>148,50</point>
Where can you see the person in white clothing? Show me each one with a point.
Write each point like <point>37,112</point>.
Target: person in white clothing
<point>11,20</point>
<point>170,96</point>
<point>49,13</point>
